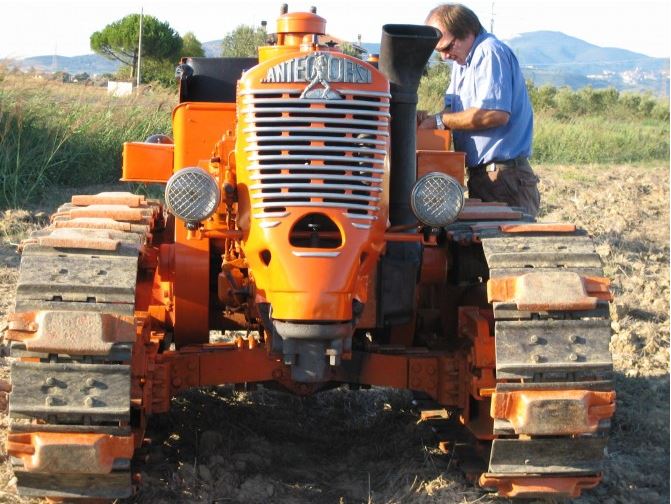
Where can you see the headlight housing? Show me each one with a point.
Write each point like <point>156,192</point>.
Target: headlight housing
<point>192,194</point>
<point>437,199</point>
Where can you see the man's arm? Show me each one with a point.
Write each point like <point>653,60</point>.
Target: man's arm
<point>469,119</point>
<point>474,119</point>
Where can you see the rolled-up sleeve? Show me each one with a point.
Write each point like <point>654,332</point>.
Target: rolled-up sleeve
<point>492,82</point>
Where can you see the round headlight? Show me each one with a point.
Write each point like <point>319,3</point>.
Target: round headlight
<point>192,194</point>
<point>437,199</point>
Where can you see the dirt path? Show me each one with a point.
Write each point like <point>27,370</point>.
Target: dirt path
<point>218,445</point>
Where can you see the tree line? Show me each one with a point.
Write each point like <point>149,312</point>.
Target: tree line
<point>162,46</point>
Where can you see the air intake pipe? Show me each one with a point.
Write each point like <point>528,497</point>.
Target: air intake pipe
<point>404,52</point>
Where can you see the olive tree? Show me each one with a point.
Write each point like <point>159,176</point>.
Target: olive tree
<point>243,41</point>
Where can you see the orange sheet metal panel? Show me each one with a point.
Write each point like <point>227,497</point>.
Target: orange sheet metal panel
<point>302,282</point>
<point>196,127</point>
<point>449,163</point>
<point>147,162</point>
<point>439,140</point>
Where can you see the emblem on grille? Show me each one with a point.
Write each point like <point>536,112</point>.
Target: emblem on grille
<point>319,69</point>
<point>321,73</point>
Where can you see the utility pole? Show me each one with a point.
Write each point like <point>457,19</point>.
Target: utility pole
<point>139,48</point>
<point>491,25</point>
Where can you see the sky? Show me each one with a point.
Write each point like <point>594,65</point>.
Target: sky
<point>36,28</point>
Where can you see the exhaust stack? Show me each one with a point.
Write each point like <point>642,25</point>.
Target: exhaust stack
<point>404,52</point>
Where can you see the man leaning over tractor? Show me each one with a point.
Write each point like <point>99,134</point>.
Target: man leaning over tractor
<point>487,108</point>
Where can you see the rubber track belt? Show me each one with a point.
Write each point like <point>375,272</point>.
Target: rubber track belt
<point>82,268</point>
<point>545,350</point>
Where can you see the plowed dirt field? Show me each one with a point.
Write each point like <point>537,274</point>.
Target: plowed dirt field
<point>219,445</point>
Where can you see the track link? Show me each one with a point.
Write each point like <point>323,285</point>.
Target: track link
<point>72,333</point>
<point>554,397</point>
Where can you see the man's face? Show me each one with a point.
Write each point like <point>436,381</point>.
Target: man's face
<point>451,48</point>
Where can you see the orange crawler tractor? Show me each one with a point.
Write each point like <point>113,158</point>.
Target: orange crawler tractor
<point>310,238</point>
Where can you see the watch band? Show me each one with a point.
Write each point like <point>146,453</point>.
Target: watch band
<point>439,121</point>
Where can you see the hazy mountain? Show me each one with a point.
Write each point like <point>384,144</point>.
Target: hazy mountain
<point>90,63</point>
<point>546,57</point>
<point>554,58</point>
<point>212,48</point>
<point>552,49</point>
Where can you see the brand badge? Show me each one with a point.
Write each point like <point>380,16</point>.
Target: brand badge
<point>319,70</point>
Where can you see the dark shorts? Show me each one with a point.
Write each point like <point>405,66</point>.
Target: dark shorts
<point>515,185</point>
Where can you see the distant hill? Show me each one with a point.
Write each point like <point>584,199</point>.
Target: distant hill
<point>555,49</point>
<point>549,57</point>
<point>92,64</point>
<point>546,57</point>
<point>212,48</point>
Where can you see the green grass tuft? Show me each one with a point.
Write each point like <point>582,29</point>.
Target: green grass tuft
<point>63,134</point>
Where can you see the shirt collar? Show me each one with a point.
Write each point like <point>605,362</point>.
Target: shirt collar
<point>476,42</point>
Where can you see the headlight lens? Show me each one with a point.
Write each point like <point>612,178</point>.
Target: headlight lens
<point>192,194</point>
<point>437,199</point>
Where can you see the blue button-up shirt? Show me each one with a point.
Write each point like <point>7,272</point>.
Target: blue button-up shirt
<point>491,79</point>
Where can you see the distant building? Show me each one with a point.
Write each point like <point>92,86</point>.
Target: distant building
<point>119,88</point>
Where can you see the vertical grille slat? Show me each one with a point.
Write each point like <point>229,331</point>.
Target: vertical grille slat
<point>316,152</point>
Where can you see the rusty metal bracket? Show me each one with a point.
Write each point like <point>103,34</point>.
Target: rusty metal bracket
<point>544,291</point>
<point>473,324</point>
<point>535,486</point>
<point>109,198</point>
<point>538,227</point>
<point>553,412</point>
<point>56,452</point>
<point>71,332</point>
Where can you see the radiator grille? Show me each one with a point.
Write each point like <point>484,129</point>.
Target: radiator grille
<point>316,153</point>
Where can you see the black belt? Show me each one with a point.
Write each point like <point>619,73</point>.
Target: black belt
<point>492,166</point>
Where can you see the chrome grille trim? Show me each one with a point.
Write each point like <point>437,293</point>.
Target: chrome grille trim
<point>298,253</point>
<point>289,101</point>
<point>323,111</point>
<point>344,92</point>
<point>331,196</point>
<point>360,216</point>
<point>309,129</point>
<point>317,148</point>
<point>346,140</point>
<point>343,187</point>
<point>299,157</point>
<point>321,204</point>
<point>322,176</point>
<point>313,119</point>
<point>270,224</point>
<point>274,215</point>
<point>305,152</point>
<point>310,168</point>
<point>361,226</point>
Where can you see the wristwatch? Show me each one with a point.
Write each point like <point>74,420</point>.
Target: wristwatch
<point>439,121</point>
